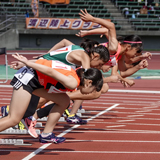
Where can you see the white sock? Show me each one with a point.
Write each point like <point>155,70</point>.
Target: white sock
<point>45,134</point>
<point>33,119</point>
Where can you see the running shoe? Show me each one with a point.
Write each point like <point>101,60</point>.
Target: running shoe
<point>51,138</point>
<point>21,126</point>
<point>4,111</point>
<point>80,107</point>
<point>30,126</point>
<point>75,120</point>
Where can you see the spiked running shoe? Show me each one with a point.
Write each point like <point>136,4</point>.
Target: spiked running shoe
<point>21,126</point>
<point>30,126</point>
<point>51,139</point>
<point>75,120</point>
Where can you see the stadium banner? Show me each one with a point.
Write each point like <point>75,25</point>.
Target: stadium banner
<point>56,1</point>
<point>59,23</point>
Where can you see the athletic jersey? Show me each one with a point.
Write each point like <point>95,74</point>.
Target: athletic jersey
<point>113,58</point>
<point>52,85</point>
<point>62,53</point>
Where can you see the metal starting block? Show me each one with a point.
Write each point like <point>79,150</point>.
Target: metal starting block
<point>12,142</point>
<point>17,131</point>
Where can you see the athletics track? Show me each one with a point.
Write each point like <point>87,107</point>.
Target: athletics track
<point>123,124</point>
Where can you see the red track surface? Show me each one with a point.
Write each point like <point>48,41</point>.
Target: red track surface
<point>131,130</point>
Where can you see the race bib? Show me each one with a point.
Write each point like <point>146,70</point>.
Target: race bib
<point>24,75</point>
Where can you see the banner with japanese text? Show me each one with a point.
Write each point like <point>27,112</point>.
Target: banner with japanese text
<point>59,23</point>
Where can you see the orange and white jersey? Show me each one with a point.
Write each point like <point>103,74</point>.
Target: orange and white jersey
<point>52,85</point>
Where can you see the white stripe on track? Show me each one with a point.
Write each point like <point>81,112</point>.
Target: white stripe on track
<point>110,90</point>
<point>65,132</point>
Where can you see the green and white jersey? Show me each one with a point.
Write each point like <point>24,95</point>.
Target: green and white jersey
<point>62,53</point>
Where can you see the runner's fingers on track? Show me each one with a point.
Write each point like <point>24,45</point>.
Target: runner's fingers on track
<point>124,83</point>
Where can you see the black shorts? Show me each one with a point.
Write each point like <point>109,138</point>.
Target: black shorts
<point>30,87</point>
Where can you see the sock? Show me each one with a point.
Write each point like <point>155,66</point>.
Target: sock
<point>72,115</point>
<point>46,134</point>
<point>33,119</point>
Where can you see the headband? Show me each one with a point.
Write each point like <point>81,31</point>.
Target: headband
<point>132,42</point>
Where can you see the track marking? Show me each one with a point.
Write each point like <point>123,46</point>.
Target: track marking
<point>134,115</point>
<point>115,141</point>
<point>144,124</point>
<point>144,111</point>
<point>115,126</point>
<point>110,90</point>
<point>125,120</point>
<point>96,152</point>
<point>150,107</point>
<point>31,155</point>
<point>132,91</point>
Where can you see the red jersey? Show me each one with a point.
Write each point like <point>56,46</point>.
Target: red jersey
<point>113,58</point>
<point>52,85</point>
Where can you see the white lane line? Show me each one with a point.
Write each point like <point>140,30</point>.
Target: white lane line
<point>95,152</point>
<point>6,86</point>
<point>128,98</point>
<point>115,126</point>
<point>143,124</point>
<point>116,131</point>
<point>110,90</point>
<point>116,141</point>
<point>112,152</point>
<point>125,120</point>
<point>144,111</point>
<point>130,95</point>
<point>31,155</point>
<point>133,91</point>
<point>134,115</point>
<point>150,107</point>
<point>121,101</point>
<point>153,114</point>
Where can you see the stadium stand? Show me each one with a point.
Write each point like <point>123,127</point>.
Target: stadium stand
<point>140,21</point>
<point>12,16</point>
<point>94,7</point>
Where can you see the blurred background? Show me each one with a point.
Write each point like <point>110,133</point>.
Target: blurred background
<point>39,24</point>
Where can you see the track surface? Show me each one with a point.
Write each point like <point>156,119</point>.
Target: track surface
<point>121,125</point>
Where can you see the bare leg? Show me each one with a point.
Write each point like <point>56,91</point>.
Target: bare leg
<point>76,106</point>
<point>61,103</point>
<point>19,103</point>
